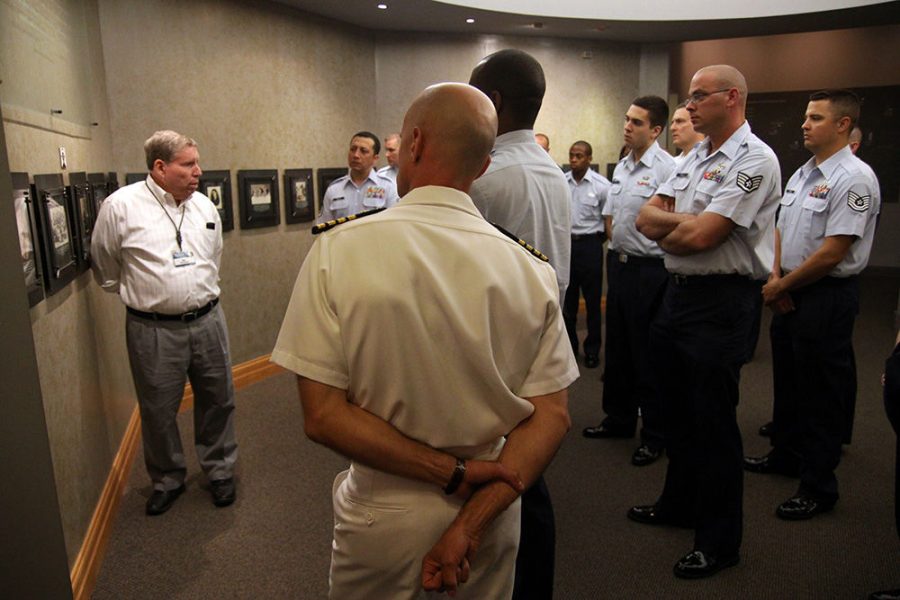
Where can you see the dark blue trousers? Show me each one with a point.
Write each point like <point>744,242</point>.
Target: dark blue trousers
<point>585,277</point>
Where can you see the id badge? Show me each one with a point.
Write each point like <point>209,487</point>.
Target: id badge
<point>183,259</point>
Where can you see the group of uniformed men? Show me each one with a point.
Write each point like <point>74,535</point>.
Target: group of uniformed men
<point>440,368</point>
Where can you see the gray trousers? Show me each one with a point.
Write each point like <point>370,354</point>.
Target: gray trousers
<point>163,355</point>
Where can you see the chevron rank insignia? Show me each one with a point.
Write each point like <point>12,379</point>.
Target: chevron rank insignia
<point>748,183</point>
<point>323,227</point>
<point>857,202</point>
<point>522,243</point>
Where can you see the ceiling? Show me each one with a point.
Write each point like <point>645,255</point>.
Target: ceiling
<point>723,22</point>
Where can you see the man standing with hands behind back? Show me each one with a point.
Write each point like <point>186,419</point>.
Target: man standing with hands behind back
<point>158,244</point>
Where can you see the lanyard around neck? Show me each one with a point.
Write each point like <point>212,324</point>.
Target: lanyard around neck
<point>171,220</point>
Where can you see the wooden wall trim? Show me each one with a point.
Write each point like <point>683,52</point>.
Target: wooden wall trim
<point>90,557</point>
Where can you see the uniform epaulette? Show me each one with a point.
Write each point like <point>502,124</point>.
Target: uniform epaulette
<point>322,227</point>
<point>522,243</point>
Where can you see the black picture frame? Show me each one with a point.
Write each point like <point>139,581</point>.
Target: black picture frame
<point>54,209</point>
<point>259,203</point>
<point>30,244</point>
<point>325,177</point>
<point>299,206</point>
<point>134,177</point>
<point>112,182</point>
<point>218,184</point>
<point>84,216</point>
<point>99,190</point>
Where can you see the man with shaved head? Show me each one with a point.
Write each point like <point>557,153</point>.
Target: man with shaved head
<point>525,192</point>
<point>714,219</point>
<point>416,363</point>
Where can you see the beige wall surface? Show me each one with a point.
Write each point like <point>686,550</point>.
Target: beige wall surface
<point>844,58</point>
<point>585,98</point>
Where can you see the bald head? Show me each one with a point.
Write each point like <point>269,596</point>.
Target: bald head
<point>725,77</point>
<point>514,81</point>
<point>447,137</point>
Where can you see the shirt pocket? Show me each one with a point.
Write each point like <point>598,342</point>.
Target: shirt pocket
<point>703,195</point>
<point>339,204</point>
<point>815,216</point>
<point>375,197</point>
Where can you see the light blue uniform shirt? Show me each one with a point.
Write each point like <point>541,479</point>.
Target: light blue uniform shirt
<point>841,196</point>
<point>633,185</point>
<point>740,181</point>
<point>588,201</point>
<point>344,198</point>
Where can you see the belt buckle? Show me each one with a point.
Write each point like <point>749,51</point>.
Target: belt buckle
<point>623,258</point>
<point>680,279</point>
<point>189,316</point>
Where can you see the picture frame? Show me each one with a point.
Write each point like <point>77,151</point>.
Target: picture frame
<point>99,190</point>
<point>216,185</point>
<point>259,204</point>
<point>299,206</point>
<point>112,182</point>
<point>84,217</point>
<point>54,209</point>
<point>29,239</point>
<point>134,177</point>
<point>325,177</point>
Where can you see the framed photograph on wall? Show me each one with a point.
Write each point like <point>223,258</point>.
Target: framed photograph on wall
<point>258,192</point>
<point>216,185</point>
<point>112,182</point>
<point>56,225</point>
<point>29,241</point>
<point>99,190</point>
<point>134,177</point>
<point>83,204</point>
<point>298,196</point>
<point>324,178</point>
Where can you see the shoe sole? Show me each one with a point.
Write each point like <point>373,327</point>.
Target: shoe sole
<point>804,516</point>
<point>696,575</point>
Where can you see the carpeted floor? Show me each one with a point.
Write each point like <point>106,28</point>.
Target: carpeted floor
<point>274,542</point>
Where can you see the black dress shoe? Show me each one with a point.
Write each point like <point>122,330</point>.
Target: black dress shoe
<point>645,455</point>
<point>801,508</point>
<point>766,430</point>
<point>697,564</point>
<point>885,595</point>
<point>591,361</point>
<point>161,500</point>
<point>649,514</point>
<point>771,463</point>
<point>604,431</point>
<point>223,491</point>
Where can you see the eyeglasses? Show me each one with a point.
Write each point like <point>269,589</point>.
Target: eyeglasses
<point>698,97</point>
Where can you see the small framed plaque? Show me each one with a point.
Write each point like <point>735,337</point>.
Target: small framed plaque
<point>298,196</point>
<point>259,206</point>
<point>216,185</point>
<point>57,226</point>
<point>29,240</point>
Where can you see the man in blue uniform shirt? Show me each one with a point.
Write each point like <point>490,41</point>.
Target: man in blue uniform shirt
<point>825,231</point>
<point>637,280</point>
<point>362,188</point>
<point>714,218</point>
<point>589,190</point>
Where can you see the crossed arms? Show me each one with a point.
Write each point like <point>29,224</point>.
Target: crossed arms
<point>681,233</point>
<point>490,486</point>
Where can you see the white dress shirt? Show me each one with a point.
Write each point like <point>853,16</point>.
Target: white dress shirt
<point>589,197</point>
<point>133,249</point>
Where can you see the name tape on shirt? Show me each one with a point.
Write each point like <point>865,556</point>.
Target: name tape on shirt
<point>857,202</point>
<point>748,183</point>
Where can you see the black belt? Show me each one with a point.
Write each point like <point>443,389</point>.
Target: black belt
<point>636,260</point>
<point>191,315</point>
<point>686,280</point>
<point>584,236</point>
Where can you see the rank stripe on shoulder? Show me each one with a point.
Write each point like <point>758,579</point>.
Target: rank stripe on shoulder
<point>522,243</point>
<point>322,227</point>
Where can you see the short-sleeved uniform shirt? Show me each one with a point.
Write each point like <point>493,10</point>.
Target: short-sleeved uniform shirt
<point>344,198</point>
<point>633,184</point>
<point>741,181</point>
<point>442,336</point>
<point>525,192</point>
<point>588,202</point>
<point>389,172</point>
<point>838,197</point>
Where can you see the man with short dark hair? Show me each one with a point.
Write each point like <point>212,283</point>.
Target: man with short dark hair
<point>825,231</point>
<point>361,189</point>
<point>637,281</point>
<point>525,192</point>
<point>415,363</point>
<point>589,190</point>
<point>391,150</point>
<point>855,139</point>
<point>714,218</point>
<point>158,244</point>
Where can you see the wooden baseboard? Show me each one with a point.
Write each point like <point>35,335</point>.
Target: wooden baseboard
<point>90,557</point>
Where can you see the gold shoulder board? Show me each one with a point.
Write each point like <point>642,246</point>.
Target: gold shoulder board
<point>322,227</point>
<point>522,243</point>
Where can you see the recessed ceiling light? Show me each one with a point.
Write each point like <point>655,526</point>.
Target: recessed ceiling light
<point>470,20</point>
<point>382,6</point>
